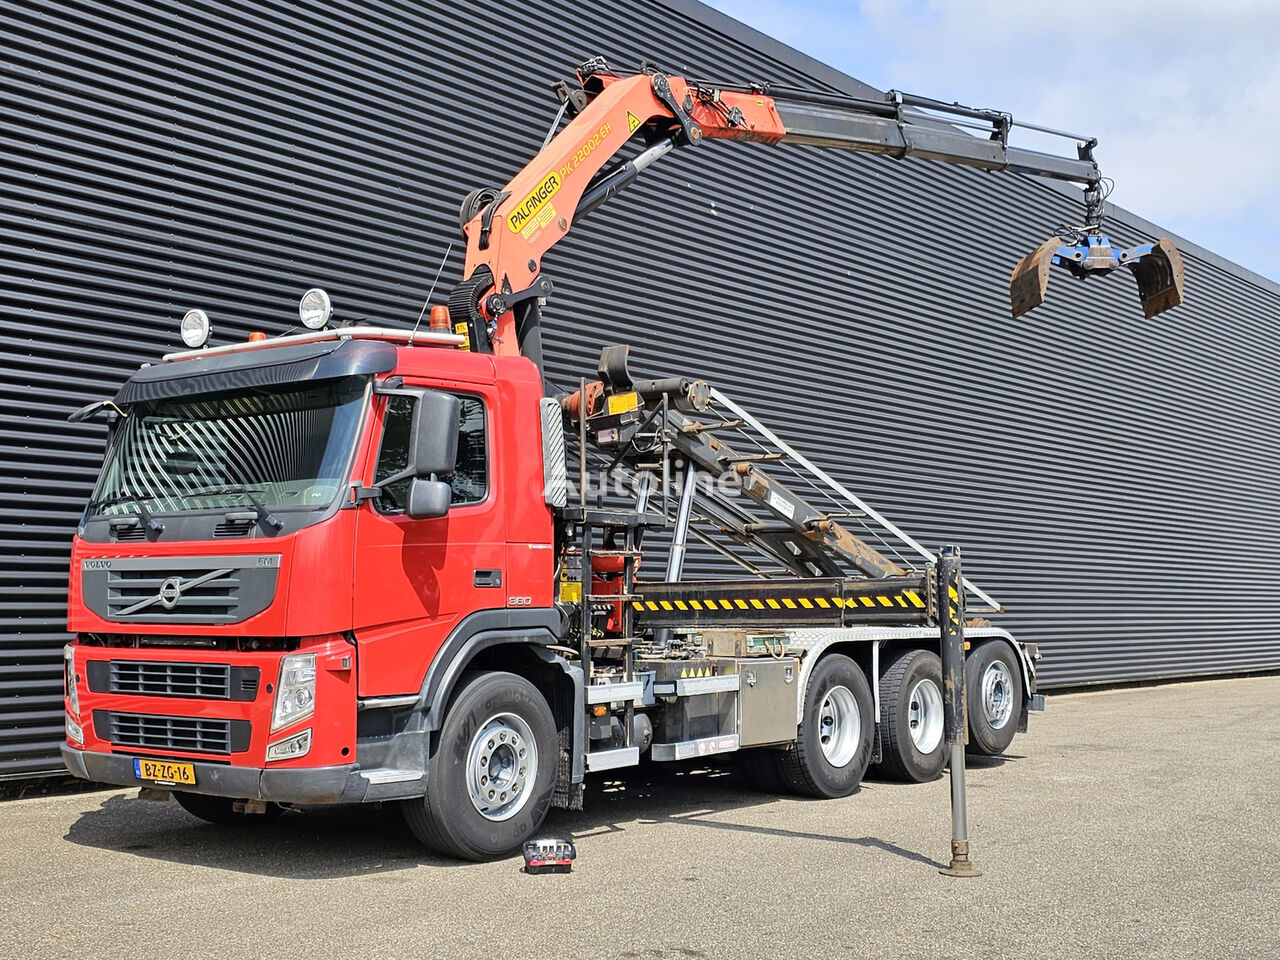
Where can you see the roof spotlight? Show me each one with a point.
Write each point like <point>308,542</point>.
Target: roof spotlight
<point>315,309</point>
<point>195,328</point>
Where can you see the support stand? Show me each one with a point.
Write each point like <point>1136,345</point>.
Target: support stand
<point>955,715</point>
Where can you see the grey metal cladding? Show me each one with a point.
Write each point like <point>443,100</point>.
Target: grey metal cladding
<point>1110,479</point>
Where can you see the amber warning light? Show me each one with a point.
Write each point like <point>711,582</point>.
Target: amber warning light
<point>440,319</point>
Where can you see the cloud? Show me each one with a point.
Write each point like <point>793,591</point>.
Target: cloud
<point>1183,96</point>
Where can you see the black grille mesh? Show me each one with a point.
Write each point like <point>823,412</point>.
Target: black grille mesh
<point>200,680</point>
<point>168,733</point>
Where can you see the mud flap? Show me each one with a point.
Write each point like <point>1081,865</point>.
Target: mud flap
<point>1160,276</point>
<point>1031,278</point>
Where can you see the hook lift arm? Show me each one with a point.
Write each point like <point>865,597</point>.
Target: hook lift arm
<point>509,230</point>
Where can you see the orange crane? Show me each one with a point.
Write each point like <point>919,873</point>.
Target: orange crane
<point>509,230</point>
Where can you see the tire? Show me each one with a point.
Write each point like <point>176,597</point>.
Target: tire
<point>993,685</point>
<point>498,733</point>
<point>221,810</point>
<point>911,722</point>
<point>833,744</point>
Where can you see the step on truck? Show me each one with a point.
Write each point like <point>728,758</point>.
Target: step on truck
<point>370,564</point>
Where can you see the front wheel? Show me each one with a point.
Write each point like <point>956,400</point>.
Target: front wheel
<point>993,684</point>
<point>490,780</point>
<point>833,744</point>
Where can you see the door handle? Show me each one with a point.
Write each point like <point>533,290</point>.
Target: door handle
<point>488,578</point>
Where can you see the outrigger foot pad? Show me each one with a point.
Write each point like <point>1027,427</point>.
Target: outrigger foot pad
<point>1157,267</point>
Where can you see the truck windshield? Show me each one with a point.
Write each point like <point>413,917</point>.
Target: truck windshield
<point>287,446</point>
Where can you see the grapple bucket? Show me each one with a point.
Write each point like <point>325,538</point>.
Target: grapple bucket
<point>1160,275</point>
<point>1157,266</point>
<point>1031,277</point>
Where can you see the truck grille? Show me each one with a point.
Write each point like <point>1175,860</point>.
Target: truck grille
<point>213,593</point>
<point>179,589</point>
<point>212,680</point>
<point>195,681</point>
<point>183,734</point>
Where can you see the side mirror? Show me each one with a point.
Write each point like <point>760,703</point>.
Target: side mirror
<point>91,410</point>
<point>435,435</point>
<point>428,499</point>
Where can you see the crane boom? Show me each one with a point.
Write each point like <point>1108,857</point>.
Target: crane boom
<point>508,231</point>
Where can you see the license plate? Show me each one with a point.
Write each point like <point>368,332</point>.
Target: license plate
<point>164,771</point>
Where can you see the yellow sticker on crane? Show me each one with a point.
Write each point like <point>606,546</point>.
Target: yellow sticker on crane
<point>633,122</point>
<point>622,402</point>
<point>527,210</point>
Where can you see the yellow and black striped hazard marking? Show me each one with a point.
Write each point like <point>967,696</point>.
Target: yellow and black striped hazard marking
<point>907,599</point>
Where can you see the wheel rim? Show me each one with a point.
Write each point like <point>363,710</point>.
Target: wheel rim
<point>839,726</point>
<point>924,716</point>
<point>997,694</point>
<point>501,765</point>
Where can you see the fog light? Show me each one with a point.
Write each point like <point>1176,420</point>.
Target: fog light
<point>299,745</point>
<point>74,733</point>
<point>315,309</point>
<point>196,328</point>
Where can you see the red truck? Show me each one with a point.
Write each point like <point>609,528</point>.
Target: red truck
<point>352,564</point>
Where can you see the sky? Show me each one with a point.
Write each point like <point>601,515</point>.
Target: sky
<point>1183,96</point>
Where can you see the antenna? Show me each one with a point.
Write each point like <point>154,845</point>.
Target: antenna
<point>426,303</point>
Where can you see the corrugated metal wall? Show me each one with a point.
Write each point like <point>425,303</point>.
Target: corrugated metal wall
<point>1112,481</point>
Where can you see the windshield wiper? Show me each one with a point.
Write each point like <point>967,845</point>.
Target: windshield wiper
<point>148,520</point>
<point>264,515</point>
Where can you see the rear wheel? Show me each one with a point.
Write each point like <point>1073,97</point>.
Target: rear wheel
<point>911,717</point>
<point>490,780</point>
<point>833,744</point>
<point>993,684</point>
<point>222,809</point>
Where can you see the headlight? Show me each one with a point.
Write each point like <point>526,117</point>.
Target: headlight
<point>74,733</point>
<point>196,328</point>
<point>69,678</point>
<point>315,309</point>
<point>296,691</point>
<point>291,748</point>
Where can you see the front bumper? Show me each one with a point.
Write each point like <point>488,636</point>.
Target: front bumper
<point>284,785</point>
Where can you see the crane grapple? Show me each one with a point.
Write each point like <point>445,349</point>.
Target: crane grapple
<point>1157,267</point>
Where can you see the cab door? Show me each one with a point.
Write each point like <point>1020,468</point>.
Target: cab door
<point>415,579</point>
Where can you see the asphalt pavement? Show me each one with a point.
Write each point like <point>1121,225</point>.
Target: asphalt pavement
<point>1127,823</point>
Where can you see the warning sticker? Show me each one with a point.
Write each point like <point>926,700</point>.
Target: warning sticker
<point>633,122</point>
<point>535,207</point>
<point>782,505</point>
<point>533,226</point>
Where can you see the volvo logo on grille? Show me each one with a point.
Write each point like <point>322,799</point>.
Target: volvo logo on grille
<point>170,592</point>
<point>172,589</point>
